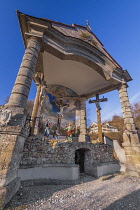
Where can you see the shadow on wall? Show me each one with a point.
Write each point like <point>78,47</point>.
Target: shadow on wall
<point>119,150</point>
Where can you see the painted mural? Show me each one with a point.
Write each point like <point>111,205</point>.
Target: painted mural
<point>60,91</point>
<point>55,108</point>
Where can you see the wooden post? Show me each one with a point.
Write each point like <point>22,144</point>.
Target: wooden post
<point>98,108</point>
<point>99,125</point>
<point>35,108</point>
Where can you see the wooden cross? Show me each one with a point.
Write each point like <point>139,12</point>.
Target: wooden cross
<point>60,105</point>
<point>98,108</point>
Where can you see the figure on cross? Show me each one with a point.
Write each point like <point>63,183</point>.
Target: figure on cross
<point>98,108</point>
<point>60,106</point>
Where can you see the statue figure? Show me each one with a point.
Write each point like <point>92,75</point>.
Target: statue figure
<point>88,26</point>
<point>70,131</point>
<point>47,129</point>
<point>60,105</point>
<point>56,134</point>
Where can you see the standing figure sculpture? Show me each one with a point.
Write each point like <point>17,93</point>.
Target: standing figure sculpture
<point>70,131</point>
<point>60,105</point>
<point>47,129</point>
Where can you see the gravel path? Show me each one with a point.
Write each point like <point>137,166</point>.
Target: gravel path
<point>108,193</point>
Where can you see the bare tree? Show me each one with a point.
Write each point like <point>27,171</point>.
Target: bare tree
<point>136,114</point>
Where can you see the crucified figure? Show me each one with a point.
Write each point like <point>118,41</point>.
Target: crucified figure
<point>60,105</point>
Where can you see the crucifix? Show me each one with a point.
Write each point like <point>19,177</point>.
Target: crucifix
<point>98,108</point>
<point>60,105</point>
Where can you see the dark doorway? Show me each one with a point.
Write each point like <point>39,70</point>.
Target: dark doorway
<point>79,159</point>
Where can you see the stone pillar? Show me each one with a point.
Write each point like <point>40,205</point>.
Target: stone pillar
<point>82,136</point>
<point>130,135</point>
<point>23,81</point>
<point>35,108</point>
<point>13,135</point>
<point>77,114</point>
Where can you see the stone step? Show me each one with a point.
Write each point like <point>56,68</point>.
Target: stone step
<point>132,150</point>
<point>135,159</point>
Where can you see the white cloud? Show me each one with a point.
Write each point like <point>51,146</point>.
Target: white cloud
<point>111,110</point>
<point>108,115</point>
<point>134,97</point>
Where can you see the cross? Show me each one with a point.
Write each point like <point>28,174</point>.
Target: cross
<point>60,105</point>
<point>98,108</point>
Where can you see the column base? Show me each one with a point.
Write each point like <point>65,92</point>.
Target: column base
<point>8,191</point>
<point>133,160</point>
<point>17,115</point>
<point>35,131</point>
<point>12,142</point>
<point>82,138</point>
<point>130,138</point>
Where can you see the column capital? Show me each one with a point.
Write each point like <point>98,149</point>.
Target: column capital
<point>123,85</point>
<point>35,38</point>
<point>39,78</point>
<point>82,100</point>
<point>83,103</point>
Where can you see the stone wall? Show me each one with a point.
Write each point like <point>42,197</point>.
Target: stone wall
<point>39,151</point>
<point>11,145</point>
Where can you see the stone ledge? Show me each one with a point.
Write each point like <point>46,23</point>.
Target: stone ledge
<point>48,165</point>
<point>98,170</point>
<point>14,130</point>
<point>135,159</point>
<point>50,172</point>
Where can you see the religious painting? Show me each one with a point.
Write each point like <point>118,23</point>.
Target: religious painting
<point>55,108</point>
<point>60,91</point>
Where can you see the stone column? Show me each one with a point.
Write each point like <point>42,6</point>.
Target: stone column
<point>77,112</point>
<point>13,135</point>
<point>130,135</point>
<point>82,136</point>
<point>23,81</point>
<point>35,108</point>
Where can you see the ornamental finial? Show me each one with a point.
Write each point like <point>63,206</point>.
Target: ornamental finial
<point>88,26</point>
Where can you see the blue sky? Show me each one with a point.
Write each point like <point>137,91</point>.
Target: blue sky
<point>115,22</point>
